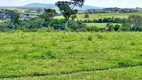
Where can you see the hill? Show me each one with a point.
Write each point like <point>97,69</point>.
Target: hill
<point>42,5</point>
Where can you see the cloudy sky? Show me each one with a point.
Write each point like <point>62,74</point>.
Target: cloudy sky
<point>99,3</point>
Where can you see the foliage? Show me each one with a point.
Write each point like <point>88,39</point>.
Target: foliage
<point>48,16</point>
<point>86,16</point>
<point>136,22</point>
<point>109,27</point>
<point>67,10</point>
<point>126,27</point>
<point>116,27</point>
<point>104,20</point>
<point>92,28</point>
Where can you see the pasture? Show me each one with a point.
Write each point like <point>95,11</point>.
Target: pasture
<point>71,55</point>
<point>99,25</point>
<point>103,15</point>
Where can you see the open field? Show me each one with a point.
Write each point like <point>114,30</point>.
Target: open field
<point>103,15</point>
<point>1,21</point>
<point>99,25</point>
<point>133,73</point>
<point>70,55</point>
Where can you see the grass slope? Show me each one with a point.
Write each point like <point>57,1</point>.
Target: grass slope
<point>103,15</point>
<point>42,54</point>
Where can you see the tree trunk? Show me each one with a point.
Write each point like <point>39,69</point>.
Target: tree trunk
<point>66,25</point>
<point>48,28</point>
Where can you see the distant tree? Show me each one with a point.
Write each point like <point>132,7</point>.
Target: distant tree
<point>86,15</point>
<point>135,21</point>
<point>125,27</point>
<point>48,16</point>
<point>116,27</point>
<point>67,9</point>
<point>92,28</point>
<point>73,17</point>
<point>39,10</point>
<point>16,20</point>
<point>109,27</point>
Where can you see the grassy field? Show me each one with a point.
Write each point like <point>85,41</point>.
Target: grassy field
<point>99,25</point>
<point>1,21</point>
<point>103,15</point>
<point>70,55</point>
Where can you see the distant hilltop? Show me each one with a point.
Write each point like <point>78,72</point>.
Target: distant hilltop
<point>42,5</point>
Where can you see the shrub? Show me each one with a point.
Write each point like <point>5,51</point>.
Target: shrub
<point>86,16</point>
<point>116,27</point>
<point>126,27</point>
<point>90,38</point>
<point>92,28</point>
<point>109,27</point>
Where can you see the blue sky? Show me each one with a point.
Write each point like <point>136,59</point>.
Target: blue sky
<point>99,3</point>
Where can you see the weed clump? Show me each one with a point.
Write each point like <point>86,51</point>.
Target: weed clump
<point>128,63</point>
<point>133,43</point>
<point>90,38</point>
<point>47,55</point>
<point>99,36</point>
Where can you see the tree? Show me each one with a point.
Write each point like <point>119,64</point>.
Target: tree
<point>78,2</point>
<point>116,27</point>
<point>135,21</point>
<point>109,27</point>
<point>86,15</point>
<point>126,27</point>
<point>67,9</point>
<point>48,16</point>
<point>16,20</point>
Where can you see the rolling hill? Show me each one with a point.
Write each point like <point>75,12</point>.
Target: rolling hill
<point>42,5</point>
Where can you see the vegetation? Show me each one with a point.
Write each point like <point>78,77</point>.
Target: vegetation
<point>62,55</point>
<point>48,16</point>
<point>86,16</point>
<point>67,10</point>
<point>115,10</point>
<point>104,15</point>
<point>45,44</point>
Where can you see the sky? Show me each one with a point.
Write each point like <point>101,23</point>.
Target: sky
<point>98,3</point>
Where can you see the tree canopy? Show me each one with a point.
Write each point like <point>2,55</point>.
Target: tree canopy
<point>67,8</point>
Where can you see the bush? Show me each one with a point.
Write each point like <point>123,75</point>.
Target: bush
<point>86,16</point>
<point>90,38</point>
<point>116,27</point>
<point>126,27</point>
<point>109,27</point>
<point>92,28</point>
<point>3,29</point>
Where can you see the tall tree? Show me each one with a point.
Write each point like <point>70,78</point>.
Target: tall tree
<point>48,16</point>
<point>67,9</point>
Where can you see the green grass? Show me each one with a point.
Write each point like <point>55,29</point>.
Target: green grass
<point>116,74</point>
<point>1,21</point>
<point>99,25</point>
<point>103,15</point>
<point>70,55</point>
